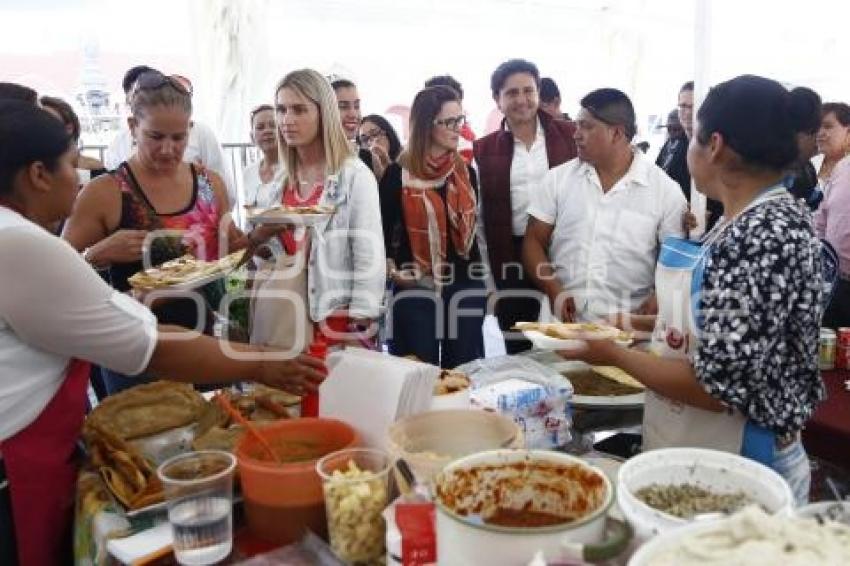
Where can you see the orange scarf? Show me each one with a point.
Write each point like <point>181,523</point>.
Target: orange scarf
<point>430,220</point>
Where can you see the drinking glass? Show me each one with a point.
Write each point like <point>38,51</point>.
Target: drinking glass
<point>199,492</point>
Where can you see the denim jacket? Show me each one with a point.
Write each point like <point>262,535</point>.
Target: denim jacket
<point>347,264</point>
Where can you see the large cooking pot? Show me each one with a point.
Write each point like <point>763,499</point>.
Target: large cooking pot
<point>505,506</point>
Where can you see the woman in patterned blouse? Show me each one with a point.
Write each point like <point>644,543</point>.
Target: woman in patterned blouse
<point>737,332</point>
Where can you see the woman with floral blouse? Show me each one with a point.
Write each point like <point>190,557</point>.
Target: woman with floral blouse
<point>734,347</point>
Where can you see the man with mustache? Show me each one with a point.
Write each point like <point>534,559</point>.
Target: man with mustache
<point>512,163</point>
<point>596,224</point>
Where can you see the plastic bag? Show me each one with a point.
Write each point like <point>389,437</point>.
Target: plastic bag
<point>535,396</point>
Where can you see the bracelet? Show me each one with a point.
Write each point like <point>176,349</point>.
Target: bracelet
<point>87,257</point>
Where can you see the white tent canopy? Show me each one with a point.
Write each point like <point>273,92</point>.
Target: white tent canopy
<point>236,50</point>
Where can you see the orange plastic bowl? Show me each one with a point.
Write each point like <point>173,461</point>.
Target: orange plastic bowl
<point>282,499</point>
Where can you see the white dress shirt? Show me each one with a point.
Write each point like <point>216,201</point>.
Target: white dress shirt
<point>528,168</point>
<point>605,245</point>
<point>258,193</point>
<point>202,147</point>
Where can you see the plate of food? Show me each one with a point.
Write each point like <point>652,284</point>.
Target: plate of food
<point>602,386</point>
<point>130,433</point>
<point>297,215</point>
<point>183,273</point>
<point>569,335</point>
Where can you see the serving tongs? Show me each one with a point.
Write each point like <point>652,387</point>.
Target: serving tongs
<point>411,490</point>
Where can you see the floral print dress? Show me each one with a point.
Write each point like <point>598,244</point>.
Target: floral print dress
<point>193,230</point>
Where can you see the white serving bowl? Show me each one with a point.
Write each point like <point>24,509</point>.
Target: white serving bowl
<point>750,537</point>
<point>713,470</point>
<point>826,510</point>
<point>429,441</point>
<point>526,475</point>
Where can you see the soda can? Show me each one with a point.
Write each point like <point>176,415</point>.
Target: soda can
<point>826,349</point>
<point>842,357</point>
<point>844,336</point>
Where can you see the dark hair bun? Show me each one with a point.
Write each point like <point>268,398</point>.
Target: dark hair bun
<point>804,108</point>
<point>754,116</point>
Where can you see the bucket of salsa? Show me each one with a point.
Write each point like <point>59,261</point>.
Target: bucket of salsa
<point>503,506</point>
<point>283,497</point>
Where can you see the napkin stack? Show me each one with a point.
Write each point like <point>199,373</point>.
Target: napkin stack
<point>370,391</point>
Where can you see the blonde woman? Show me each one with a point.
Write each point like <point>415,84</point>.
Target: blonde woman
<point>337,268</point>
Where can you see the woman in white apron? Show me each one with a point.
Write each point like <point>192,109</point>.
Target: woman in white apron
<point>328,278</point>
<point>733,362</point>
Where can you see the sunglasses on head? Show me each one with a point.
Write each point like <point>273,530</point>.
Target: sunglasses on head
<point>153,80</point>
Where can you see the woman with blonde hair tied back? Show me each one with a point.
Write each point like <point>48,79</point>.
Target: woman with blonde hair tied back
<point>330,276</point>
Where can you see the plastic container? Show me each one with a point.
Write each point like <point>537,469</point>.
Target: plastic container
<point>429,441</point>
<point>355,483</point>
<point>160,447</point>
<point>541,481</point>
<point>716,471</point>
<point>284,499</point>
<point>199,490</point>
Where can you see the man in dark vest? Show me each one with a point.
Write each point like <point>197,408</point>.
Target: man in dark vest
<point>512,162</point>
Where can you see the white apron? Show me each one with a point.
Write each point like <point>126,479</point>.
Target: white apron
<point>279,311</point>
<point>678,284</point>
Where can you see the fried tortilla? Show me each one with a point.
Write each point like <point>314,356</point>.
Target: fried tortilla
<point>571,330</point>
<point>184,269</point>
<point>127,474</point>
<point>616,374</point>
<point>148,409</point>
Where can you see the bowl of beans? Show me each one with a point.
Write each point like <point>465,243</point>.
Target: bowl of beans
<point>664,489</point>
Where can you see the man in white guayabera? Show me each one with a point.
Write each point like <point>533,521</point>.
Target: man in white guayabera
<point>596,225</point>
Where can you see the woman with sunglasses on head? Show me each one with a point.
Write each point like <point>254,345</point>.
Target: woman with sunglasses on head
<point>379,137</point>
<point>56,316</point>
<point>734,352</point>
<point>338,266</point>
<point>262,181</point>
<point>428,207</point>
<point>180,207</point>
